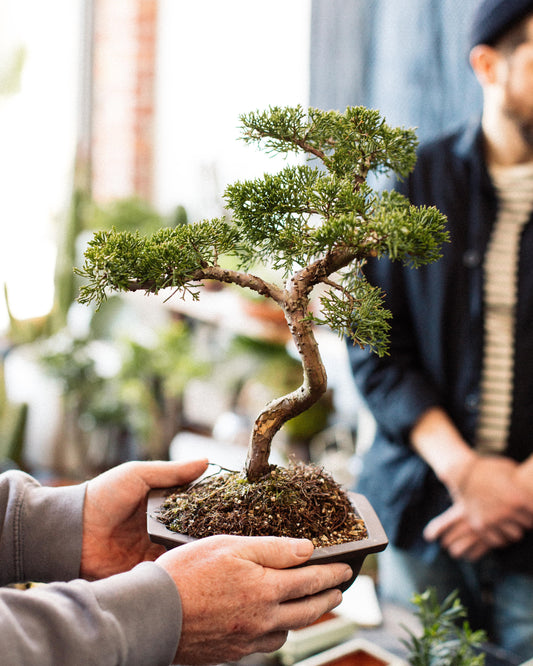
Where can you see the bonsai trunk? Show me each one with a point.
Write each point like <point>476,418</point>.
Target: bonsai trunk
<point>313,386</point>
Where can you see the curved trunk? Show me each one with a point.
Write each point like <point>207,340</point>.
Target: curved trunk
<point>280,410</point>
<point>295,303</point>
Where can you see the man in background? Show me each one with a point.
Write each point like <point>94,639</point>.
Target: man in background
<point>451,470</point>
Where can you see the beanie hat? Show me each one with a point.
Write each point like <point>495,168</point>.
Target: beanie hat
<point>493,18</point>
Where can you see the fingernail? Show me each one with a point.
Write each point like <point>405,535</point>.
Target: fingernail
<point>347,574</point>
<point>338,600</point>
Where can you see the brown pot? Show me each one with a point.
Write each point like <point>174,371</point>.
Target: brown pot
<point>357,652</point>
<point>353,553</point>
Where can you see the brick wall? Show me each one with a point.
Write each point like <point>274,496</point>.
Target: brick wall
<point>124,51</point>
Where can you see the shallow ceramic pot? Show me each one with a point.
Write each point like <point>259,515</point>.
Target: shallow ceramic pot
<point>353,553</point>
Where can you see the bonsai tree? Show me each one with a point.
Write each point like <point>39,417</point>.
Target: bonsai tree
<point>316,223</point>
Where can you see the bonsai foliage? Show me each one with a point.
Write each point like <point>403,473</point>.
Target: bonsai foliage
<point>316,223</point>
<point>447,639</point>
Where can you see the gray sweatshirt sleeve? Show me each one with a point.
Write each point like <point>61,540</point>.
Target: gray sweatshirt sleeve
<point>131,619</point>
<point>40,530</point>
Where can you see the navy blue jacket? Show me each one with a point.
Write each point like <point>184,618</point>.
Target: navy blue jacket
<point>437,344</point>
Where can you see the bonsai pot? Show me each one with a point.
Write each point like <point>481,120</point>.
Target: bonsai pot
<point>353,553</point>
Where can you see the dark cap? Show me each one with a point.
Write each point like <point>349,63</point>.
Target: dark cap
<point>493,18</point>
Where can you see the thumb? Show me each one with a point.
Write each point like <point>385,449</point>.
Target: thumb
<point>163,474</point>
<point>276,552</point>
<point>441,523</point>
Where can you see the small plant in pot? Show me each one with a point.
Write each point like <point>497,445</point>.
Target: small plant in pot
<point>443,638</point>
<point>446,637</point>
<point>314,223</point>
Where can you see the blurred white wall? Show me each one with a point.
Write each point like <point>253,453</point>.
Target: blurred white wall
<point>37,138</point>
<point>218,60</point>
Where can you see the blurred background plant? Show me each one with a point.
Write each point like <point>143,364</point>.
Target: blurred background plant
<point>120,399</point>
<point>119,395</point>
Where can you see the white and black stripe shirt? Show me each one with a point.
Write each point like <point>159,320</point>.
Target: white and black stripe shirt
<point>514,186</point>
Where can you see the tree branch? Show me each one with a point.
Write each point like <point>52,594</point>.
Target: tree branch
<point>249,280</point>
<point>227,276</point>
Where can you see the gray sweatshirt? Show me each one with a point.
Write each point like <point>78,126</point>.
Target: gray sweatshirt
<point>131,619</point>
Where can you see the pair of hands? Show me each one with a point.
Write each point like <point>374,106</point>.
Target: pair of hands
<point>238,594</point>
<point>492,508</point>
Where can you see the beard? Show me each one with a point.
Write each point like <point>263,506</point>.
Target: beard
<point>525,130</point>
<point>523,124</point>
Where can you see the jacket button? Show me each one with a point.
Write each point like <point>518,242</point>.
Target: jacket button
<point>471,258</point>
<point>472,402</point>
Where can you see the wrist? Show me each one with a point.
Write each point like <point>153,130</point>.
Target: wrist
<point>436,439</point>
<point>456,474</point>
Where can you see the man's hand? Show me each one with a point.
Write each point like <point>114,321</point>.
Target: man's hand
<point>492,508</point>
<point>114,515</point>
<point>238,595</point>
<point>453,530</point>
<point>492,495</point>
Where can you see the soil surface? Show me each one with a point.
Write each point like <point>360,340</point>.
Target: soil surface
<point>300,501</point>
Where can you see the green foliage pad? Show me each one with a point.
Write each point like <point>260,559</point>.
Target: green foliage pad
<point>318,221</point>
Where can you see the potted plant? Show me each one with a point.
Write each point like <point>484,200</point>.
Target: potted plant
<point>315,224</point>
<point>446,634</point>
<point>445,639</point>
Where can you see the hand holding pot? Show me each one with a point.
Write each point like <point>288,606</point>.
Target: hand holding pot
<point>114,515</point>
<point>239,596</point>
